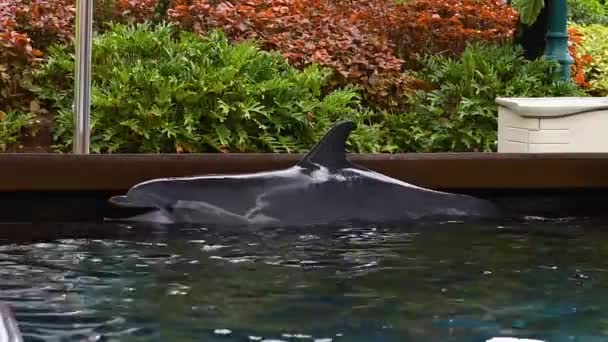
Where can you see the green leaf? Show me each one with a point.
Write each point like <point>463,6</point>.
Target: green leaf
<point>529,10</point>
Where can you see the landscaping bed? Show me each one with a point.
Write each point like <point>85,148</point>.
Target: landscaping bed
<point>194,76</point>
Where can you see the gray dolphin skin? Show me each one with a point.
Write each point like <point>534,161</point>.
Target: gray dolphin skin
<point>9,329</point>
<point>322,188</point>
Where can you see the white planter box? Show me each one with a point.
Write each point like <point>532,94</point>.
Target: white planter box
<point>552,124</point>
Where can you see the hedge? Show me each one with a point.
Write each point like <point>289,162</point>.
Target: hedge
<point>373,61</point>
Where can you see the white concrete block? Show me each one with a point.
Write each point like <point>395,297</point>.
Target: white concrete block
<point>510,118</point>
<point>550,136</point>
<point>549,148</point>
<point>520,135</point>
<point>514,147</point>
<point>558,124</point>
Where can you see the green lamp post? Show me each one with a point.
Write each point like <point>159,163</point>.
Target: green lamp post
<point>557,38</point>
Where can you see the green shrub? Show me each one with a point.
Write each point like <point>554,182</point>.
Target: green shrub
<point>587,12</point>
<point>11,125</point>
<point>159,90</point>
<point>595,45</point>
<point>460,113</point>
<point>579,11</point>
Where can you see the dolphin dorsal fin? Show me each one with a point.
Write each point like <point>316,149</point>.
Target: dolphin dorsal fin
<point>330,151</point>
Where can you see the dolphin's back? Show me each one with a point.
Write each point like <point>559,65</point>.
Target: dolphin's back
<point>360,198</point>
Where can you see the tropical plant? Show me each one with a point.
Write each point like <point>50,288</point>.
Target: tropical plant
<point>587,12</point>
<point>159,90</point>
<point>460,113</point>
<point>528,10</point>
<point>12,124</point>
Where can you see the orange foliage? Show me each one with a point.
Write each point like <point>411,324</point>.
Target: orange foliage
<point>46,21</point>
<point>135,10</point>
<point>52,21</point>
<point>365,42</point>
<point>446,26</point>
<point>310,31</point>
<point>17,57</point>
<point>580,61</point>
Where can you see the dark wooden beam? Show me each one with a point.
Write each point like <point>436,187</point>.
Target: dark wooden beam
<point>67,172</point>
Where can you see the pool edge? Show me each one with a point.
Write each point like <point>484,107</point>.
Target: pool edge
<point>117,172</point>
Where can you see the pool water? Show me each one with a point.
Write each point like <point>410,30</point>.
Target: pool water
<point>546,280</point>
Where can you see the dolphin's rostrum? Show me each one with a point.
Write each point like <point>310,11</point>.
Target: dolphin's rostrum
<point>322,188</point>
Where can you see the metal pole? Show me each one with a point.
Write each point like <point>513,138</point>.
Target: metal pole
<point>82,84</point>
<point>557,37</point>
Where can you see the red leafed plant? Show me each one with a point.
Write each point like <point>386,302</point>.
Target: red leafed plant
<point>7,15</point>
<point>17,57</point>
<point>52,21</point>
<point>46,21</point>
<point>135,10</point>
<point>310,31</point>
<point>365,42</point>
<point>28,27</point>
<point>446,26</point>
<point>580,61</point>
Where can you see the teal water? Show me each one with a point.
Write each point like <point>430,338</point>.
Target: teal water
<point>452,282</point>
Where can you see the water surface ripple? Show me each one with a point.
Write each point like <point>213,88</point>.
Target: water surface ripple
<point>455,282</point>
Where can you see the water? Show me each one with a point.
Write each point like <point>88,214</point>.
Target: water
<point>452,282</point>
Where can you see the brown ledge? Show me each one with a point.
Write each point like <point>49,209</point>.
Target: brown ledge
<point>66,172</point>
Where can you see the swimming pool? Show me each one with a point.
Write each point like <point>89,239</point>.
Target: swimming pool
<point>541,279</point>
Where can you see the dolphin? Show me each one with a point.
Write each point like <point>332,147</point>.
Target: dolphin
<point>322,188</point>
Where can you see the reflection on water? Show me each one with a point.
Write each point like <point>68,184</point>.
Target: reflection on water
<point>451,283</point>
